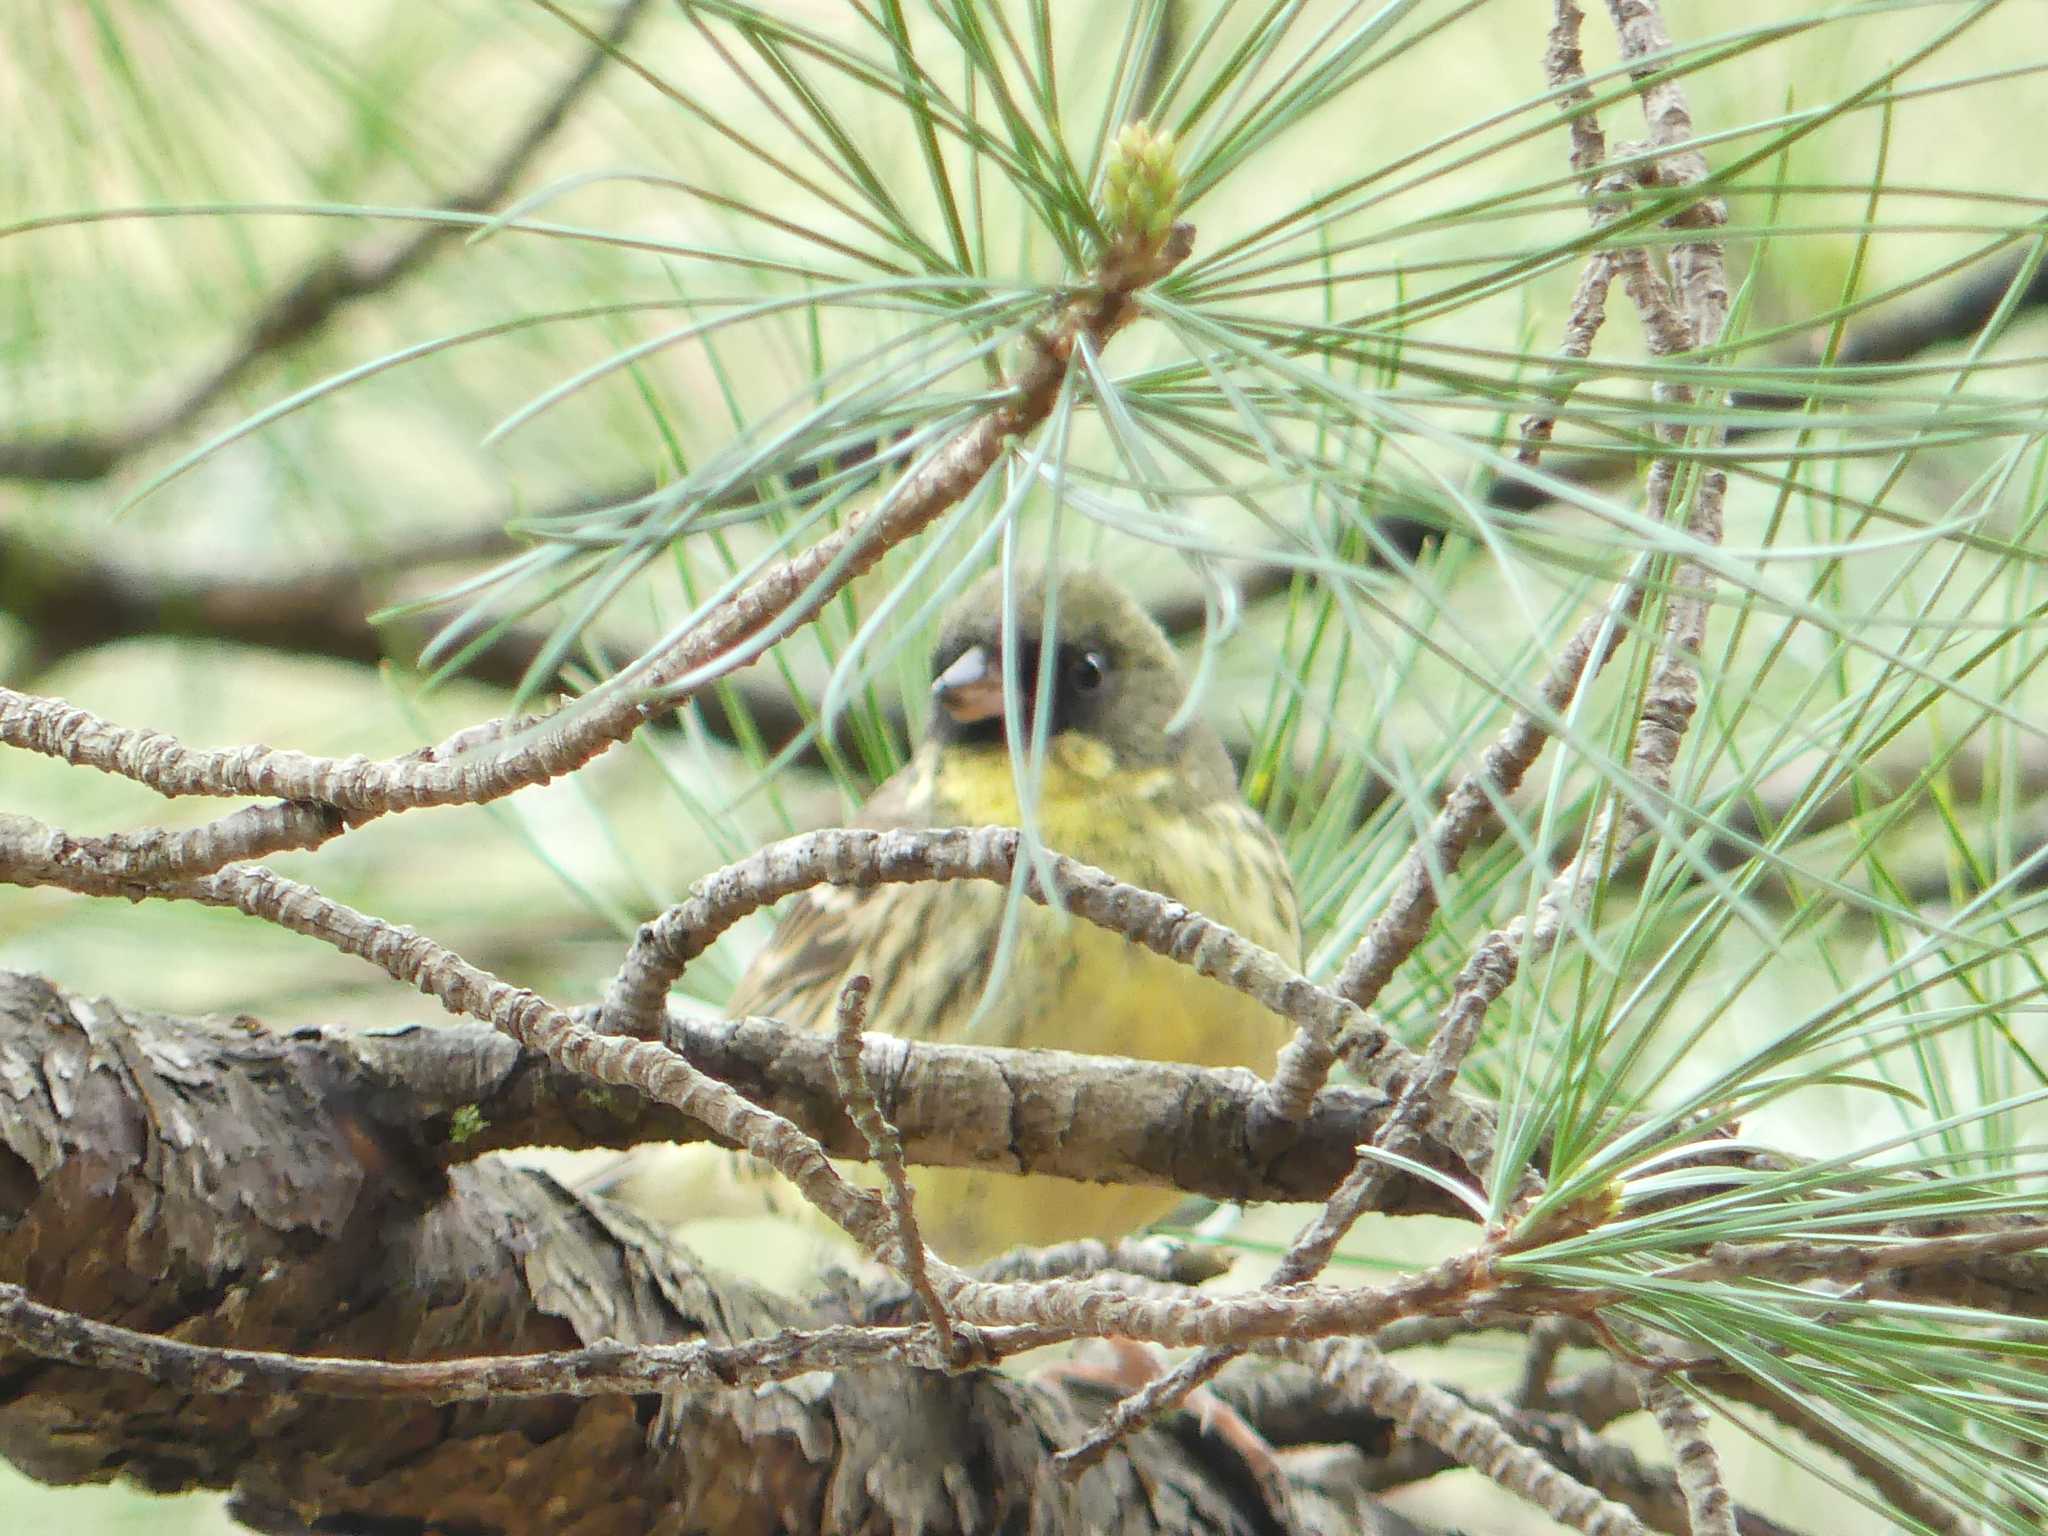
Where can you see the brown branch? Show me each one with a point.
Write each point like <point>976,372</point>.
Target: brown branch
<point>488,761</point>
<point>1564,69</point>
<point>1468,810</point>
<point>470,1091</point>
<point>133,864</point>
<point>73,601</point>
<point>1031,1111</point>
<point>1292,1406</point>
<point>239,1191</point>
<point>1090,1307</point>
<point>885,1149</point>
<point>1474,1439</point>
<point>857,857</point>
<point>1688,313</point>
<point>49,1333</point>
<point>302,308</point>
<point>1200,1130</point>
<point>1861,1256</point>
<point>1073,1308</point>
<point>1668,707</point>
<point>388,1122</point>
<point>1708,1508</point>
<point>644,1065</point>
<point>1108,1308</point>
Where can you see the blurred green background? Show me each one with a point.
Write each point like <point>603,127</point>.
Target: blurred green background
<point>183,165</point>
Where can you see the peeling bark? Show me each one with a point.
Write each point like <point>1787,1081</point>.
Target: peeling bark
<point>215,1183</point>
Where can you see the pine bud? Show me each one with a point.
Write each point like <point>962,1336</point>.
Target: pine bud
<point>1141,186</point>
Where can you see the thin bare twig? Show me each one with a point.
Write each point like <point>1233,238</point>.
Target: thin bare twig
<point>1689,312</point>
<point>1686,313</point>
<point>1709,1509</point>
<point>851,856</point>
<point>1547,1341</point>
<point>886,1149</point>
<point>52,1334</point>
<point>1290,1405</point>
<point>1393,935</point>
<point>1672,324</point>
<point>1654,1493</point>
<point>1564,67</point>
<point>859,857</point>
<point>1162,1259</point>
<point>1467,1284</point>
<point>132,863</point>
<point>1867,1254</point>
<point>1471,1437</point>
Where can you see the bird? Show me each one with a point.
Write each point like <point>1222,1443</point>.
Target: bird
<point>1126,785</point>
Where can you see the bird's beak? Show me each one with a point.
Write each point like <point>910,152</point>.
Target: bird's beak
<point>972,688</point>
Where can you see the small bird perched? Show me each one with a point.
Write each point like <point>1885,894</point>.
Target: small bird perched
<point>1153,806</point>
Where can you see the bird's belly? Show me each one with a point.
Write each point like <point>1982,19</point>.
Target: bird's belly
<point>1072,986</point>
<point>1078,987</point>
<point>1075,987</point>
<point>968,1216</point>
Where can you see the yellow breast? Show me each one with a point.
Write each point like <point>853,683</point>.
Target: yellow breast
<point>1077,987</point>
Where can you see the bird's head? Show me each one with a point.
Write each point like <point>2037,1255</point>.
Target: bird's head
<point>1115,677</point>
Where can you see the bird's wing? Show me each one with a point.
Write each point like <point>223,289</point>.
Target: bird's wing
<point>798,972</point>
<point>1265,905</point>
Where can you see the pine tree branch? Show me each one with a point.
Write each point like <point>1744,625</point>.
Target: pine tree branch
<point>231,1190</point>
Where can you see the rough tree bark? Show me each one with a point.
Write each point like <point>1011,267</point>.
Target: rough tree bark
<point>217,1183</point>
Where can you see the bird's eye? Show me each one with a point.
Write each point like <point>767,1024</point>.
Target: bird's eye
<point>1086,672</point>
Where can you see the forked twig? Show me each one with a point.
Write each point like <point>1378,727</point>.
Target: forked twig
<point>850,1014</point>
<point>1469,1436</point>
